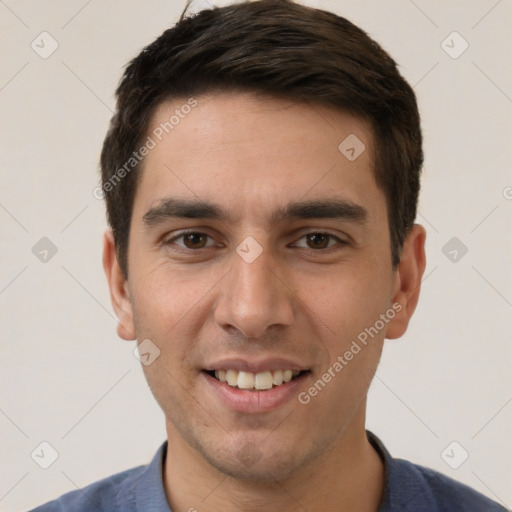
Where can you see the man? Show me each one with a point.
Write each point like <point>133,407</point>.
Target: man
<point>261,175</point>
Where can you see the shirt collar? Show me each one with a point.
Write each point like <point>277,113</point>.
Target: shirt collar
<point>150,492</point>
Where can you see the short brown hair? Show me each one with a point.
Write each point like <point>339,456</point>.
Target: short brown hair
<point>284,50</point>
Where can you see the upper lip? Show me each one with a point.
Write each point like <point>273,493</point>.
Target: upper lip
<point>255,365</point>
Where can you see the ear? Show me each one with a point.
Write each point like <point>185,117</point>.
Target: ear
<point>408,275</point>
<point>118,285</point>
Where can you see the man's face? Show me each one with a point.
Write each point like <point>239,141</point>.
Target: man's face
<point>257,292</point>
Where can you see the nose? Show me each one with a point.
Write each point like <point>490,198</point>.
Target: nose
<point>254,296</point>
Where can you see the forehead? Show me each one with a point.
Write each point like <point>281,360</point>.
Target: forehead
<point>249,153</point>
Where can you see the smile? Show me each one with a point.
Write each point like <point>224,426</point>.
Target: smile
<point>250,381</point>
<point>261,391</point>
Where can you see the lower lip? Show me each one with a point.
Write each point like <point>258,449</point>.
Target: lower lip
<point>254,401</point>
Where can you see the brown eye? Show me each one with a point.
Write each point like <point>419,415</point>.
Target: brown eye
<point>318,240</point>
<point>194,240</point>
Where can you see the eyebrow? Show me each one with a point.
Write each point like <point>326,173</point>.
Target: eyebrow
<point>172,208</point>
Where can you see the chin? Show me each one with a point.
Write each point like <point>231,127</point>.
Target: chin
<point>265,470</point>
<point>260,462</point>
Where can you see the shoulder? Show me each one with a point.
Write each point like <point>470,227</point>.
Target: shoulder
<point>431,491</point>
<point>103,495</point>
<point>413,488</point>
<point>134,490</point>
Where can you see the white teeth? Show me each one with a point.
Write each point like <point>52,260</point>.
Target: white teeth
<point>245,380</point>
<point>232,377</point>
<point>221,375</point>
<point>263,380</point>
<point>255,381</point>
<point>277,378</point>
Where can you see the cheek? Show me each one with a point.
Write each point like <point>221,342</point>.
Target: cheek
<point>164,295</point>
<point>346,300</point>
<point>170,307</point>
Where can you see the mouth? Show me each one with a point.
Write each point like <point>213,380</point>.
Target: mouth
<point>261,381</point>
<point>254,386</point>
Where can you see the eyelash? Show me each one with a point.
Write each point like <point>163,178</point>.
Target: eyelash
<point>171,241</point>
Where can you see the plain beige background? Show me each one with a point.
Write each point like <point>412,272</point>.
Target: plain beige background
<point>66,378</point>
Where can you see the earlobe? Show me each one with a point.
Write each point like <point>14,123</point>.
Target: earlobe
<point>408,276</point>
<point>118,286</point>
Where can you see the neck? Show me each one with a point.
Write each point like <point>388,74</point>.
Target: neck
<point>349,477</point>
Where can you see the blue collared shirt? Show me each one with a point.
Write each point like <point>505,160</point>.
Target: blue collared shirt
<point>408,488</point>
